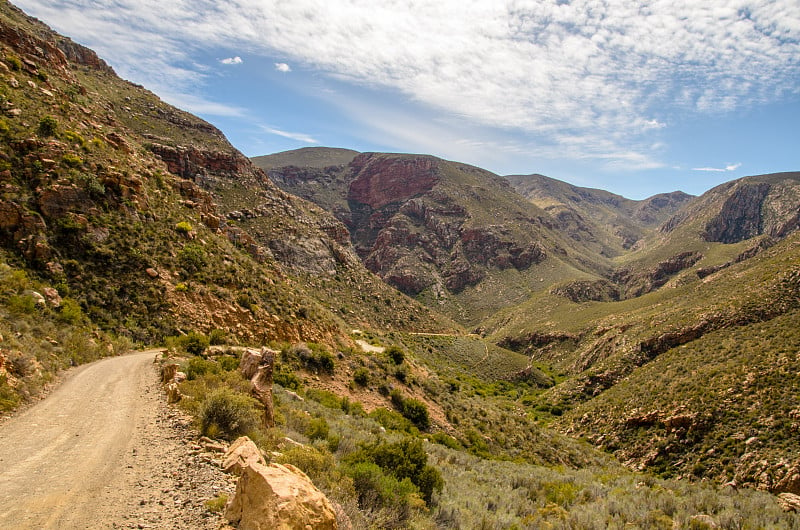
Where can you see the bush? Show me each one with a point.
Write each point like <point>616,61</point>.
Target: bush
<point>217,337</point>
<point>183,227</point>
<point>287,379</point>
<point>405,459</point>
<point>229,363</point>
<point>71,160</point>
<point>313,356</point>
<point>197,367</point>
<point>193,343</point>
<point>48,126</point>
<point>192,258</point>
<point>413,409</point>
<point>396,354</point>
<point>317,429</point>
<point>361,376</point>
<point>228,414</point>
<point>376,489</point>
<point>392,421</point>
<point>14,62</point>
<point>70,311</point>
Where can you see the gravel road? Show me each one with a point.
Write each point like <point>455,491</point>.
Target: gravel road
<point>105,451</point>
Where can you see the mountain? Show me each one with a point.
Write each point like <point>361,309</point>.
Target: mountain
<point>455,236</point>
<point>624,285</point>
<point>662,331</point>
<point>609,222</point>
<point>128,210</point>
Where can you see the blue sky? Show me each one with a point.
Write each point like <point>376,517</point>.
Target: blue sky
<point>634,97</point>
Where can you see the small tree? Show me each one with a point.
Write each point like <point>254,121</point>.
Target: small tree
<point>48,126</point>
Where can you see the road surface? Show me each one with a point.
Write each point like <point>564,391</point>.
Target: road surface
<point>102,451</point>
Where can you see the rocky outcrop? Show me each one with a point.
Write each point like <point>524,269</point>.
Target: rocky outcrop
<point>380,181</point>
<point>740,217</point>
<point>241,453</point>
<point>588,290</point>
<point>638,282</point>
<point>192,163</point>
<point>279,497</point>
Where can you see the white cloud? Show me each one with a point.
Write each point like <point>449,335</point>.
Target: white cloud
<point>283,67</point>
<point>232,60</point>
<point>729,167</point>
<point>300,137</point>
<point>588,68</point>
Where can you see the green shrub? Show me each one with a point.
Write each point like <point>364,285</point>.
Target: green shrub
<point>325,398</point>
<point>361,376</point>
<point>396,354</point>
<point>217,504</point>
<point>74,138</point>
<point>229,363</point>
<point>193,343</point>
<point>71,160</point>
<point>311,355</point>
<point>405,459</point>
<point>70,311</point>
<point>378,490</point>
<point>217,337</point>
<point>413,409</point>
<point>313,461</point>
<point>192,258</point>
<point>197,367</point>
<point>48,126</point>
<point>14,62</point>
<point>317,429</point>
<point>228,414</point>
<point>392,421</point>
<point>183,227</point>
<point>287,379</point>
<point>21,304</point>
<point>447,441</point>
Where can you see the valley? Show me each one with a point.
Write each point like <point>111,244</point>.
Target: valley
<point>544,355</point>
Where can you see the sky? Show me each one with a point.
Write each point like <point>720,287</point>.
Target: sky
<point>637,98</point>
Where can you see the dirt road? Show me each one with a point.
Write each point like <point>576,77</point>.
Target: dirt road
<point>104,451</point>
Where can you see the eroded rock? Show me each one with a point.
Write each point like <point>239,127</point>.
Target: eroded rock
<point>241,454</point>
<point>279,497</point>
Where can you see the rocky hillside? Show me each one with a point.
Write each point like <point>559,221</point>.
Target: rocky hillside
<point>610,223</point>
<point>128,208</point>
<point>453,235</point>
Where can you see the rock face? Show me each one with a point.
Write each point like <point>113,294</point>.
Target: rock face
<point>740,216</point>
<point>420,222</point>
<point>278,497</point>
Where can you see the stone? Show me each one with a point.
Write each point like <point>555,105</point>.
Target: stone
<point>789,502</point>
<point>173,393</point>
<point>279,497</point>
<point>37,298</point>
<point>168,372</point>
<point>180,377</point>
<point>249,364</point>
<point>151,272</point>
<point>241,454</point>
<point>703,521</point>
<point>52,296</point>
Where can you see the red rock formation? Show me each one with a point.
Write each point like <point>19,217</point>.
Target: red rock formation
<point>380,181</point>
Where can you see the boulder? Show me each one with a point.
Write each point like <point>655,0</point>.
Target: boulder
<point>241,454</point>
<point>248,366</point>
<point>52,296</point>
<point>789,502</point>
<point>168,372</point>
<point>279,497</point>
<point>173,393</point>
